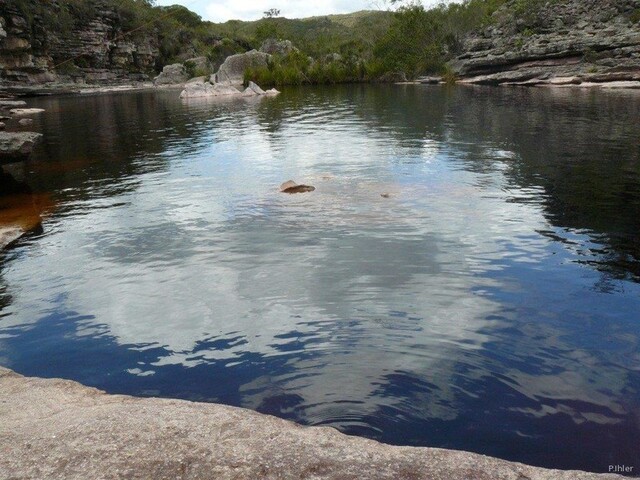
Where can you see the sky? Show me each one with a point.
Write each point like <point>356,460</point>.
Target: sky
<point>223,10</point>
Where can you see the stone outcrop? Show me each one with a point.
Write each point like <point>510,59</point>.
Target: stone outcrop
<point>58,429</point>
<point>173,74</point>
<point>206,89</point>
<point>231,72</point>
<point>273,46</point>
<point>94,51</point>
<point>197,88</point>
<point>252,90</point>
<point>198,66</point>
<point>573,42</point>
<point>17,146</point>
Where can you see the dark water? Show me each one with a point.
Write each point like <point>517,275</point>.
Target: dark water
<point>491,303</point>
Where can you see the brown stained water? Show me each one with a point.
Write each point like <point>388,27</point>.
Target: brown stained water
<point>464,275</point>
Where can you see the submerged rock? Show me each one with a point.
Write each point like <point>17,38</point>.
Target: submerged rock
<point>292,187</point>
<point>25,121</point>
<point>16,146</point>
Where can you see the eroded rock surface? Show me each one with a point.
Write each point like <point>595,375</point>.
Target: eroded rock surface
<point>95,51</point>
<point>231,72</point>
<point>579,41</point>
<point>16,146</point>
<point>58,429</point>
<point>173,74</point>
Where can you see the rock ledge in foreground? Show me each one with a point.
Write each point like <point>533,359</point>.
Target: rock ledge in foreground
<point>58,429</point>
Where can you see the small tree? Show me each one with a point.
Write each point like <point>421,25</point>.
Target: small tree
<point>272,13</point>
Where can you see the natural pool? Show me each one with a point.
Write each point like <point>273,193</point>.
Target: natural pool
<point>491,303</point>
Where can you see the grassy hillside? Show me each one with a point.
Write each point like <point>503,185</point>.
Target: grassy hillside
<point>315,36</point>
<point>370,44</point>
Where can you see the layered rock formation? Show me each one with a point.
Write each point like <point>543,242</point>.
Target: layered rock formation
<point>93,50</point>
<point>556,42</point>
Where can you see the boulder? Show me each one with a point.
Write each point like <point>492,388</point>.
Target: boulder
<point>272,91</point>
<point>231,72</point>
<point>171,75</point>
<point>197,80</point>
<point>198,66</point>
<point>17,146</point>
<point>25,121</point>
<point>273,46</point>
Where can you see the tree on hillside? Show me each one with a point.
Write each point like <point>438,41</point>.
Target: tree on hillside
<point>272,13</point>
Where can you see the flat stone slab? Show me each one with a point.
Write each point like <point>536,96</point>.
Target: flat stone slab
<point>17,146</point>
<point>58,429</point>
<point>26,111</point>
<point>12,103</point>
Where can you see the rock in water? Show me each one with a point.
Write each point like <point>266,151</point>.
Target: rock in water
<point>200,90</point>
<point>26,111</point>
<point>171,75</point>
<point>17,146</point>
<point>9,234</point>
<point>292,187</point>
<point>25,121</point>
<point>253,89</point>
<point>231,72</point>
<point>12,103</point>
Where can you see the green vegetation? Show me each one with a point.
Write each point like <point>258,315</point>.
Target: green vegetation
<point>363,46</point>
<point>296,68</point>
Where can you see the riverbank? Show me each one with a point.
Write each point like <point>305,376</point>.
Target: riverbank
<point>59,429</point>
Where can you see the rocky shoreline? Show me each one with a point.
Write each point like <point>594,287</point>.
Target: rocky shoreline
<point>59,429</point>
<point>586,43</point>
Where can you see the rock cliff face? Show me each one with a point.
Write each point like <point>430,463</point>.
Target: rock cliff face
<point>556,42</point>
<point>90,51</point>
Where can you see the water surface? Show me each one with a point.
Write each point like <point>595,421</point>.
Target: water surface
<point>489,304</point>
